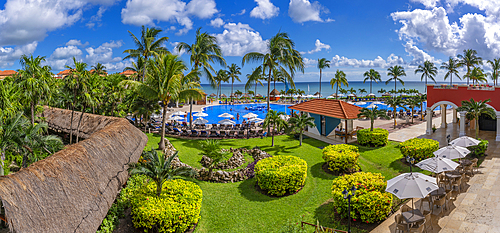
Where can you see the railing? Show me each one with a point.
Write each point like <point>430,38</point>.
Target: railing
<point>445,86</point>
<point>481,87</point>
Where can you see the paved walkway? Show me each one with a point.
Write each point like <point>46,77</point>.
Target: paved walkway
<point>477,207</point>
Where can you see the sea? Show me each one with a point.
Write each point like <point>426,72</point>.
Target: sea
<point>326,89</point>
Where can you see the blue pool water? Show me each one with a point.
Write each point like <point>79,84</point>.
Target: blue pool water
<point>260,109</point>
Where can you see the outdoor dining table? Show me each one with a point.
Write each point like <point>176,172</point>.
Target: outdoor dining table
<point>453,174</point>
<point>465,162</point>
<point>413,216</point>
<point>438,192</point>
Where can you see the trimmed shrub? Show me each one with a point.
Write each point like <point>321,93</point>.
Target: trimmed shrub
<point>176,210</point>
<point>419,148</point>
<point>341,158</point>
<point>282,174</point>
<point>377,137</point>
<point>370,203</point>
<point>479,150</point>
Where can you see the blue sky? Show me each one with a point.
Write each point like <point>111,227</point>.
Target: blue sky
<point>355,35</point>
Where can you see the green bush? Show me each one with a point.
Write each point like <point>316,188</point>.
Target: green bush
<point>377,137</point>
<point>370,203</point>
<point>281,174</point>
<point>480,149</point>
<point>341,158</point>
<point>419,148</point>
<point>176,210</point>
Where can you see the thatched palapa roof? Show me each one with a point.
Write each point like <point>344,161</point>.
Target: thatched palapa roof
<point>72,190</point>
<point>274,92</point>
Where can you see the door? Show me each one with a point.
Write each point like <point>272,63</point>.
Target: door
<point>323,126</point>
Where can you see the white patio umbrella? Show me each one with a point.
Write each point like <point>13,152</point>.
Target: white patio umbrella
<point>437,164</point>
<point>411,185</point>
<point>452,152</point>
<point>331,97</point>
<point>371,106</point>
<point>179,113</point>
<point>227,122</point>
<point>255,119</point>
<point>351,95</point>
<point>340,95</point>
<point>200,114</point>
<point>377,102</point>
<point>250,115</point>
<point>200,121</point>
<point>465,141</point>
<point>360,103</point>
<point>226,115</point>
<point>284,117</point>
<point>371,94</point>
<point>175,118</point>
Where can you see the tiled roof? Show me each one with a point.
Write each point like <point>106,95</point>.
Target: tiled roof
<point>7,72</point>
<point>64,72</point>
<point>128,72</point>
<point>332,108</point>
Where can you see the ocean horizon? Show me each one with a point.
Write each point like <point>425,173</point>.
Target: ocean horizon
<point>326,89</point>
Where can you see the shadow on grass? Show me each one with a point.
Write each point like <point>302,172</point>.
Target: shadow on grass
<point>318,172</point>
<point>248,190</point>
<point>277,149</point>
<point>324,215</point>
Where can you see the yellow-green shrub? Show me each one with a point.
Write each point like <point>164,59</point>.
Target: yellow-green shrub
<point>342,158</point>
<point>370,203</point>
<point>281,174</point>
<point>176,210</point>
<point>419,148</point>
<point>377,137</point>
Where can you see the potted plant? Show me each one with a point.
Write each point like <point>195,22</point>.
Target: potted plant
<point>433,128</point>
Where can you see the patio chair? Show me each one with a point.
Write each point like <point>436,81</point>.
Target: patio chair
<point>222,134</point>
<point>232,134</point>
<point>241,134</point>
<point>214,127</point>
<point>428,220</point>
<point>401,225</point>
<point>468,171</point>
<point>441,204</point>
<point>458,183</point>
<point>405,208</point>
<point>418,227</point>
<point>177,131</point>
<point>474,165</point>
<point>194,133</point>
<point>212,134</point>
<point>427,199</point>
<point>203,133</point>
<point>184,133</point>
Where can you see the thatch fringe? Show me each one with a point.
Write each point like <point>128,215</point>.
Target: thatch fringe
<point>72,190</point>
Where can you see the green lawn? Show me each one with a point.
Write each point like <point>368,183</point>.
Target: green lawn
<point>238,207</point>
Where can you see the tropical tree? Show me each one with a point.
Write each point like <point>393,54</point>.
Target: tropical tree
<point>144,107</point>
<point>233,73</point>
<point>421,99</point>
<point>476,109</point>
<point>373,76</point>
<point>395,72</point>
<point>477,75</point>
<point>322,64</point>
<point>74,82</point>
<point>148,45</point>
<point>35,145</point>
<point>138,67</point>
<point>9,98</point>
<point>10,130</point>
<point>34,82</point>
<point>428,70</point>
<point>166,82</point>
<point>352,90</point>
<point>281,56</point>
<point>158,168</point>
<point>394,103</point>
<point>343,91</point>
<point>412,103</point>
<point>495,67</point>
<point>99,69</point>
<point>372,114</point>
<point>362,91</point>
<point>382,91</point>
<point>469,59</point>
<point>337,81</point>
<point>213,150</point>
<point>451,68</point>
<point>299,123</point>
<point>254,79</point>
<point>273,119</point>
<point>221,77</point>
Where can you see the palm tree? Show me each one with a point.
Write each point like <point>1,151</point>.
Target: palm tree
<point>10,130</point>
<point>158,168</point>
<point>144,107</point>
<point>273,119</point>
<point>382,91</point>
<point>395,103</point>
<point>73,83</point>
<point>339,80</point>
<point>34,82</point>
<point>34,142</point>
<point>213,150</point>
<point>9,99</point>
<point>138,67</point>
<point>412,103</point>
<point>372,75</point>
<point>421,99</point>
<point>322,64</point>
<point>395,72</point>
<point>233,73</point>
<point>99,69</point>
<point>254,79</point>
<point>166,82</point>
<point>469,59</point>
<point>373,114</point>
<point>222,76</point>
<point>362,91</point>
<point>148,45</point>
<point>281,56</point>
<point>298,124</point>
<point>203,52</point>
<point>451,68</point>
<point>476,109</point>
<point>428,70</point>
<point>495,73</point>
<point>477,75</point>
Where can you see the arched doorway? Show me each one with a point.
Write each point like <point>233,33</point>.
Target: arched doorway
<point>444,104</point>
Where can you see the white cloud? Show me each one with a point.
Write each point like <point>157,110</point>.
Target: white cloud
<point>239,39</point>
<point>10,55</point>
<point>217,22</point>
<point>96,19</point>
<point>242,12</point>
<point>145,12</point>
<point>310,62</point>
<point>303,10</point>
<point>264,10</point>
<point>66,52</point>
<point>427,3</point>
<point>175,51</point>
<point>318,47</point>
<point>419,56</point>
<point>75,42</point>
<point>377,62</point>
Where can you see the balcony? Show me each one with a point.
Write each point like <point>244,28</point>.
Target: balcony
<point>445,86</point>
<point>481,87</point>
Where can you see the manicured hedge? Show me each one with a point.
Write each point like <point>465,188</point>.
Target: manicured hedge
<point>480,149</point>
<point>419,148</point>
<point>282,174</point>
<point>370,203</point>
<point>377,137</point>
<point>341,158</point>
<point>176,210</point>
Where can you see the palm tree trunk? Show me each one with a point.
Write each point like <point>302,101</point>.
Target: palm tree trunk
<point>425,84</point>
<point>161,145</point>
<point>371,123</point>
<point>337,92</point>
<point>300,138</point>
<point>319,91</point>
<point>158,188</point>
<point>394,115</point>
<point>255,93</point>
<point>395,83</point>
<point>371,86</point>
<point>32,112</point>
<point>191,113</point>
<point>477,128</point>
<point>2,159</point>
<point>412,115</point>
<point>272,137</point>
<point>79,121</point>
<point>232,101</point>
<point>451,79</point>
<point>268,92</point>
<point>71,123</point>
